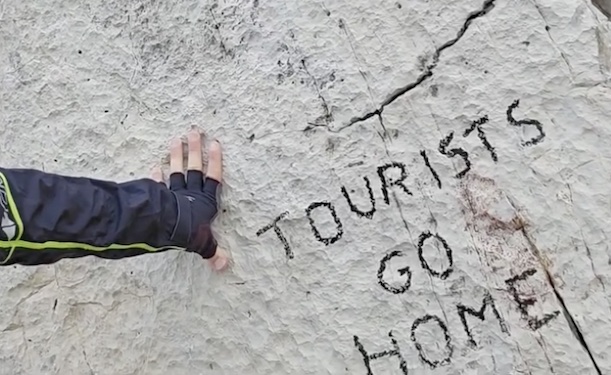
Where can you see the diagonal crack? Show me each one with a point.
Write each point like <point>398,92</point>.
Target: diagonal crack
<point>551,38</point>
<point>604,6</point>
<point>573,326</point>
<point>328,116</point>
<point>426,74</point>
<point>565,311</point>
<point>87,362</point>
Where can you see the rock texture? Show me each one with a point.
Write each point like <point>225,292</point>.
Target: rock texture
<point>411,186</point>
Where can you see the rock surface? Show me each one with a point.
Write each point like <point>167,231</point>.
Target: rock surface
<point>439,172</point>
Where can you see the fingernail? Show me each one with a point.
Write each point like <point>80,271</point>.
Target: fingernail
<point>219,264</point>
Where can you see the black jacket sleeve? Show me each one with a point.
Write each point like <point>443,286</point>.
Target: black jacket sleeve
<point>47,217</point>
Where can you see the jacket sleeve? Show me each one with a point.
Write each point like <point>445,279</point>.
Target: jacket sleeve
<point>47,217</point>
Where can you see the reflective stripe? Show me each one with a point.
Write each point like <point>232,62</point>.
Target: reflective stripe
<point>13,244</point>
<point>50,245</point>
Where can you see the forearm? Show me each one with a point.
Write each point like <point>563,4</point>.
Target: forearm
<point>59,217</point>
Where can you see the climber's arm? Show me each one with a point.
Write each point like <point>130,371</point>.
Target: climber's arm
<point>47,217</point>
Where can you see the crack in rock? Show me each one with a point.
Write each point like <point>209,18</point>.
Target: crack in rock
<point>565,311</point>
<point>87,362</point>
<point>604,6</point>
<point>327,117</point>
<point>427,73</point>
<point>510,218</point>
<point>551,38</point>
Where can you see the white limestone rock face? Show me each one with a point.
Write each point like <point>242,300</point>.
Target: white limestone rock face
<point>439,173</point>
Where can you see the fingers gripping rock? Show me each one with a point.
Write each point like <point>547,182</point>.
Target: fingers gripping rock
<point>197,199</point>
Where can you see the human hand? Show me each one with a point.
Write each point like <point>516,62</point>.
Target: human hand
<point>202,195</point>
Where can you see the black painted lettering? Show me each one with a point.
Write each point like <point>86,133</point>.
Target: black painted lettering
<point>386,183</point>
<point>395,352</point>
<point>421,240</point>
<point>477,124</point>
<point>274,224</point>
<point>531,122</point>
<point>486,302</point>
<point>523,303</point>
<point>434,363</point>
<point>403,271</point>
<point>339,228</point>
<point>353,208</point>
<point>443,149</point>
<point>428,164</point>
